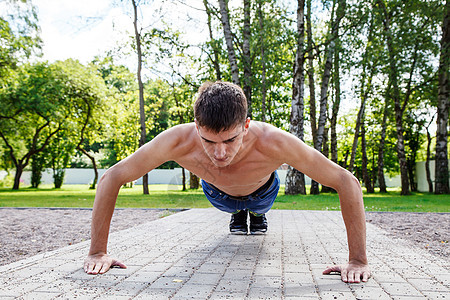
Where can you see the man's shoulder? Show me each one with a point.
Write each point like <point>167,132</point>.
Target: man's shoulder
<point>181,134</point>
<point>265,132</point>
<point>186,128</point>
<point>267,138</point>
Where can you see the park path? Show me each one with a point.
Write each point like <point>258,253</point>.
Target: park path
<point>191,255</point>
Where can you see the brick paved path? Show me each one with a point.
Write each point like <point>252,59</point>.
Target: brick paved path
<point>191,255</point>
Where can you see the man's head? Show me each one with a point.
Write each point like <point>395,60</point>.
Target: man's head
<point>221,118</point>
<point>220,106</point>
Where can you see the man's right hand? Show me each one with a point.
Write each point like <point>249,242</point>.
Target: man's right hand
<point>100,263</point>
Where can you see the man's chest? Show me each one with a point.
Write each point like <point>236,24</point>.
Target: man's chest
<point>240,178</point>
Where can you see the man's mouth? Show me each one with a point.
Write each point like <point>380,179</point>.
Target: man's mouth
<point>221,159</point>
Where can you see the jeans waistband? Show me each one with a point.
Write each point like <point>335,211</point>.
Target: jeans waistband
<point>261,190</point>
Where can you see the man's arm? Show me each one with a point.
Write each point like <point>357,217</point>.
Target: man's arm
<point>312,163</point>
<point>162,148</point>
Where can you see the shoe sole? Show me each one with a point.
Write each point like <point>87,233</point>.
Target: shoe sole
<point>237,232</point>
<point>258,232</point>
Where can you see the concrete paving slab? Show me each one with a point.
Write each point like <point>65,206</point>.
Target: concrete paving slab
<point>191,255</point>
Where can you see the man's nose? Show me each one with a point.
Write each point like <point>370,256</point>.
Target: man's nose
<point>220,151</point>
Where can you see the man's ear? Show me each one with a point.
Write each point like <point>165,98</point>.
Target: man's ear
<point>247,123</point>
<point>197,127</point>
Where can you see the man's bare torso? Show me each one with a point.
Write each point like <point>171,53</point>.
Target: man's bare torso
<point>249,169</point>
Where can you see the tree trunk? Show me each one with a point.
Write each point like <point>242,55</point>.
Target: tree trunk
<point>19,171</point>
<point>441,171</point>
<point>412,173</point>
<point>214,46</point>
<point>364,93</point>
<point>326,153</point>
<point>325,83</point>
<point>364,171</point>
<point>427,162</point>
<point>381,180</point>
<point>229,41</point>
<point>94,165</point>
<point>193,181</point>
<point>336,103</point>
<point>183,173</point>
<point>295,180</point>
<point>263,61</point>
<point>310,72</point>
<point>247,80</point>
<point>142,139</point>
<point>398,107</point>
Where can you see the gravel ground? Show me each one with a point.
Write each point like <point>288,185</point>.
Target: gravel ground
<point>30,231</point>
<point>430,231</point>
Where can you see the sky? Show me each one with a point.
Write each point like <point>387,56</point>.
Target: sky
<point>80,29</point>
<point>83,29</point>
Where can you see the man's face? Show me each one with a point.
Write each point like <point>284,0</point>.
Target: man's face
<point>222,147</point>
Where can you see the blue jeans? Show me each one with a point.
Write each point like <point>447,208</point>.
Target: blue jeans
<point>258,202</point>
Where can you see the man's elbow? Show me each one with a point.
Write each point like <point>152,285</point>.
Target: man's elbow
<point>347,181</point>
<point>113,176</point>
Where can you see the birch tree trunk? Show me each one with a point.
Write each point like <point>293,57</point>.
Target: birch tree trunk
<point>381,180</point>
<point>214,46</point>
<point>229,41</point>
<point>247,80</point>
<point>398,107</point>
<point>364,93</point>
<point>441,171</point>
<point>310,71</point>
<point>336,104</point>
<point>263,61</point>
<point>325,83</point>
<point>427,162</point>
<point>295,180</point>
<point>326,153</point>
<point>142,139</point>
<point>364,171</point>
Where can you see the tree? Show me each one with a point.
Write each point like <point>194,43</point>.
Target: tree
<point>335,21</point>
<point>38,163</point>
<point>441,174</point>
<point>59,152</point>
<point>428,156</point>
<point>33,113</point>
<point>87,121</point>
<point>295,180</point>
<point>213,42</point>
<point>310,72</point>
<point>262,46</point>
<point>246,34</point>
<point>142,140</point>
<point>19,35</point>
<point>224,13</point>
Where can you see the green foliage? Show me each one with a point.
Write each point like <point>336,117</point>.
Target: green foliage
<point>47,101</point>
<point>38,163</point>
<point>19,35</point>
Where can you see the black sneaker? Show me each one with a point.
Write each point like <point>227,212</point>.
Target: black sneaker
<point>238,223</point>
<point>258,224</point>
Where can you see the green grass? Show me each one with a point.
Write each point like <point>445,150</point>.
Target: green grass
<point>169,196</point>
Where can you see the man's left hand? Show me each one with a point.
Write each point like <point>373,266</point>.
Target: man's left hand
<point>351,272</point>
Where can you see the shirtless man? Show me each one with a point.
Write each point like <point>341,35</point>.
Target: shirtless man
<point>237,160</point>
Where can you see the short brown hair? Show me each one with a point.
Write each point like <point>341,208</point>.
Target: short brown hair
<point>220,106</point>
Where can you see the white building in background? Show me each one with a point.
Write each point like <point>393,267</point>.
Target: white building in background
<point>174,176</point>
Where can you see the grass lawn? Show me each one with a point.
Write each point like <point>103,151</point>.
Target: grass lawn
<point>170,196</point>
